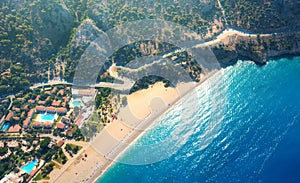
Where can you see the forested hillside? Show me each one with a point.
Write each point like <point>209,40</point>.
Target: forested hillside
<point>41,40</point>
<point>263,15</point>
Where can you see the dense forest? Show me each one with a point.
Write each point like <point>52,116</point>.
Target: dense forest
<point>263,16</point>
<point>41,40</point>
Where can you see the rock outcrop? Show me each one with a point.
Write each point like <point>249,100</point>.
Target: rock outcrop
<point>258,48</point>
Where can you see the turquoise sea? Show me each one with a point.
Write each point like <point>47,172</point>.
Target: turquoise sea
<point>244,128</point>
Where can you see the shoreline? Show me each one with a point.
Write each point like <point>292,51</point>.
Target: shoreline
<point>137,134</point>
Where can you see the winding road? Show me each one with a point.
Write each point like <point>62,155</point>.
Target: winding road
<point>215,40</point>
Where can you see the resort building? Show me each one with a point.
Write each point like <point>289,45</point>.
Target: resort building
<point>9,116</point>
<point>37,98</point>
<point>47,124</point>
<point>30,113</point>
<point>13,144</point>
<point>66,99</point>
<point>61,110</point>
<point>60,143</point>
<point>51,109</point>
<point>54,90</point>
<point>14,129</point>
<point>31,101</point>
<point>23,114</point>
<point>41,102</point>
<point>61,92</point>
<point>26,122</point>
<point>16,109</point>
<point>40,109</point>
<point>56,103</point>
<point>78,93</point>
<point>37,124</point>
<point>16,119</point>
<point>12,177</point>
<point>21,99</point>
<point>48,98</point>
<point>60,126</point>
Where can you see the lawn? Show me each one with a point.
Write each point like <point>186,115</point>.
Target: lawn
<point>59,118</point>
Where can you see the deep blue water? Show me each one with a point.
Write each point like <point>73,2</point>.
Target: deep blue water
<point>244,127</point>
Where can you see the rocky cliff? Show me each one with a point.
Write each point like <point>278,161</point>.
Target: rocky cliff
<point>258,48</point>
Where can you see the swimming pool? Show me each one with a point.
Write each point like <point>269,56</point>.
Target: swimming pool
<point>48,117</point>
<point>30,166</point>
<point>5,126</point>
<point>77,103</point>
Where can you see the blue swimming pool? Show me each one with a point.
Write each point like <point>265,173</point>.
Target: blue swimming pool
<point>5,126</point>
<point>48,117</point>
<point>30,166</point>
<point>76,103</point>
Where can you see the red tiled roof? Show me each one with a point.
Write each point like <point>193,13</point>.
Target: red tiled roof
<point>31,101</point>
<point>54,90</point>
<point>30,113</point>
<point>60,126</point>
<point>37,97</point>
<point>33,172</point>
<point>14,129</point>
<point>61,92</point>
<point>41,102</point>
<point>48,98</point>
<point>85,92</point>
<point>23,114</point>
<point>9,115</point>
<point>48,124</point>
<point>61,110</point>
<point>60,143</point>
<point>26,122</point>
<point>56,103</point>
<point>16,109</point>
<point>66,99</point>
<point>40,108</point>
<point>16,118</point>
<point>37,124</point>
<point>50,108</point>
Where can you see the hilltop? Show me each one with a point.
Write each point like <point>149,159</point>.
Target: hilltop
<point>42,40</point>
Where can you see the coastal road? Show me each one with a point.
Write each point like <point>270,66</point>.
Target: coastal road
<point>215,40</point>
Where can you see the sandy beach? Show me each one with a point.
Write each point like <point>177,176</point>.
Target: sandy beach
<point>142,108</point>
